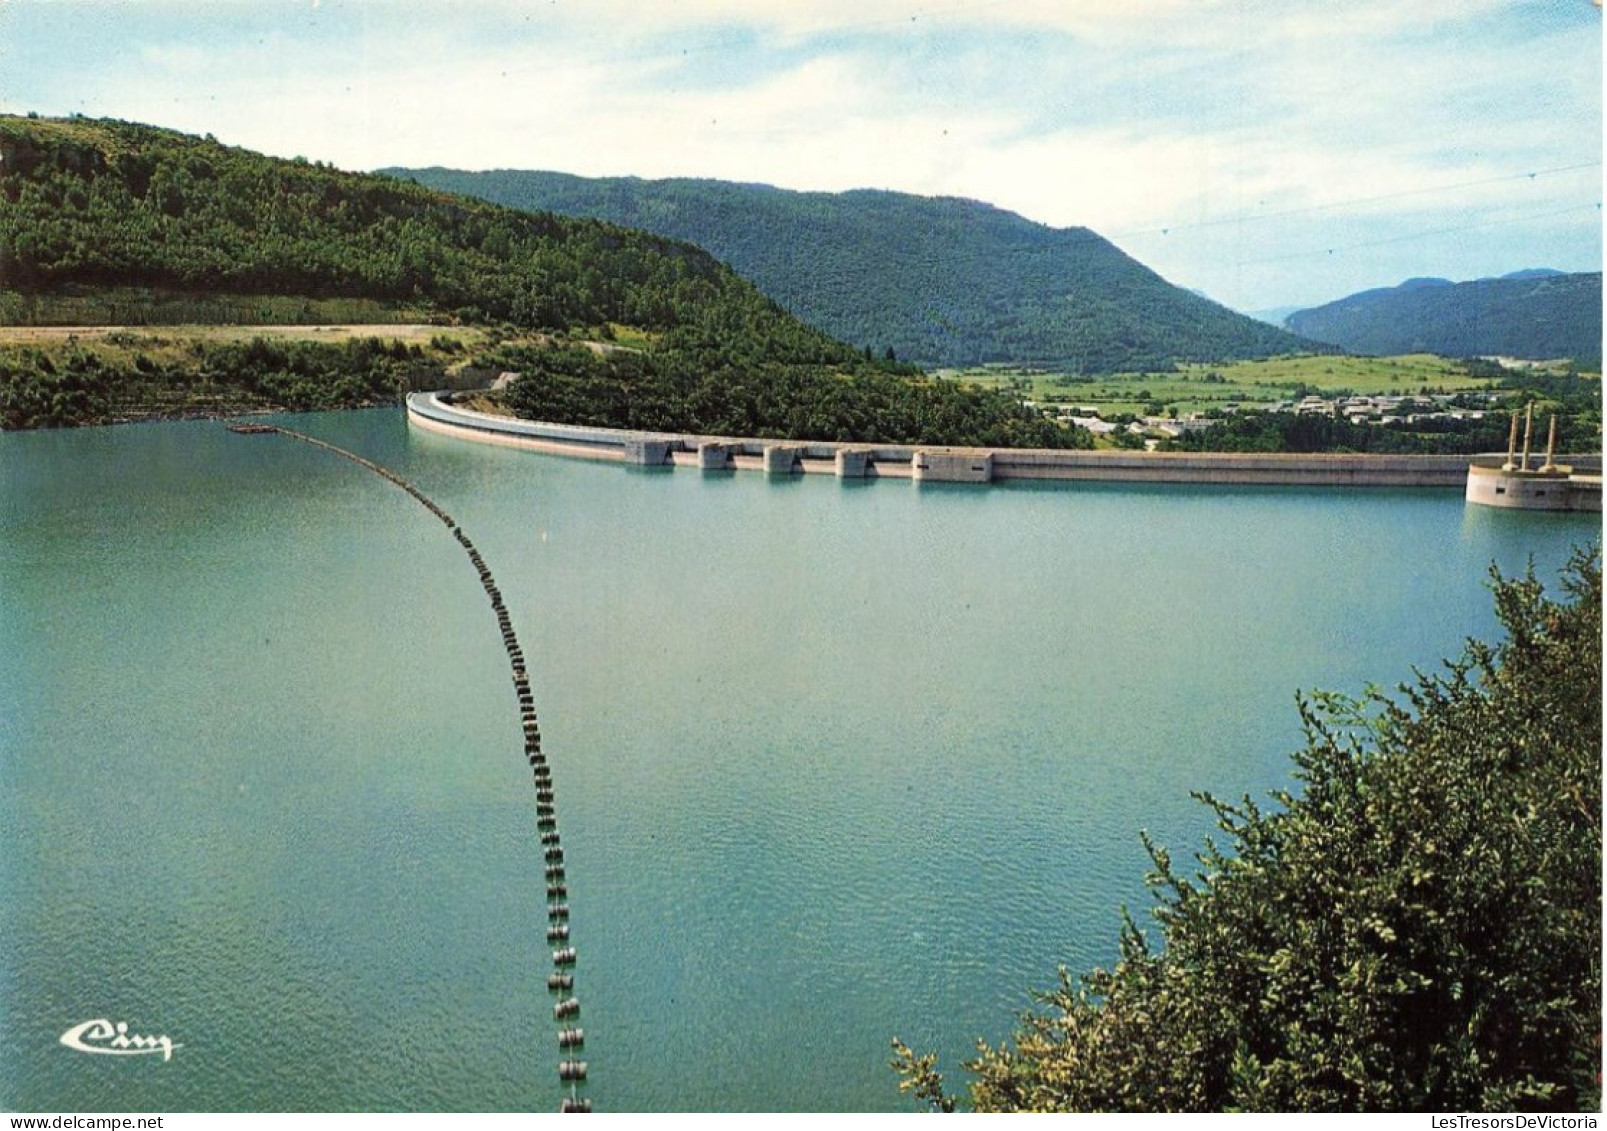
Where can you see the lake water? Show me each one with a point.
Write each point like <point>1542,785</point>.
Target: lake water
<point>834,761</point>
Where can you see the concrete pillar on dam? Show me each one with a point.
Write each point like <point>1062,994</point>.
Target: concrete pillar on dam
<point>952,467</point>
<point>713,456</point>
<point>853,463</point>
<point>782,459</point>
<point>645,452</point>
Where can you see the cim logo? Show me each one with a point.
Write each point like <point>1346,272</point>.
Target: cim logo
<point>102,1037</point>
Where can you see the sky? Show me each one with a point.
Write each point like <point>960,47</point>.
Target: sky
<point>1267,153</point>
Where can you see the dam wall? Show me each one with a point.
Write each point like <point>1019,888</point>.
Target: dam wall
<point>1237,468</point>
<point>952,465</point>
<point>930,464</point>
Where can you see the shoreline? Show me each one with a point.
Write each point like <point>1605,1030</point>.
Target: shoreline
<point>196,415</point>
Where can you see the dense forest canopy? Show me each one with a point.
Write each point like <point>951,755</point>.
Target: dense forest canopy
<point>941,281</point>
<point>692,387</point>
<point>1418,928</point>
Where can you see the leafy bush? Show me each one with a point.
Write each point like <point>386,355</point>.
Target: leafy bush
<point>1419,929</point>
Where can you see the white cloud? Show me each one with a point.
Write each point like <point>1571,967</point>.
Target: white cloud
<point>1183,23</point>
<point>1174,114</point>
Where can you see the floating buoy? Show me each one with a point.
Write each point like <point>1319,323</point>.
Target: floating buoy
<point>574,1104</point>
<point>558,914</point>
<point>571,1038</point>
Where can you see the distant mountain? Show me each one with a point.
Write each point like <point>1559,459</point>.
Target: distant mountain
<point>1537,314</point>
<point>940,281</point>
<point>1273,316</point>
<point>1422,283</point>
<point>1533,273</point>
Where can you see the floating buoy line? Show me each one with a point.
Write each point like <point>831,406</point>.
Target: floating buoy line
<point>561,982</point>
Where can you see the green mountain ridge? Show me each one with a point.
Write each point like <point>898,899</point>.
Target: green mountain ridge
<point>110,204</point>
<point>1535,314</point>
<point>134,224</point>
<point>941,281</point>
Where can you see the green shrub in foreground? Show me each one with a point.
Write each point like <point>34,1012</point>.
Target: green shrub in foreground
<point>1418,929</point>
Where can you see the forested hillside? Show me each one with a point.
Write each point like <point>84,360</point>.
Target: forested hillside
<point>939,281</point>
<point>104,221</point>
<point>88,204</point>
<point>1530,314</point>
<point>697,387</point>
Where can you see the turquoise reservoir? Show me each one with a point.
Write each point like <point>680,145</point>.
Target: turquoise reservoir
<point>835,762</point>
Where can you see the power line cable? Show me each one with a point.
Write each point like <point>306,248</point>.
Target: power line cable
<point>1409,236</point>
<point>1250,217</point>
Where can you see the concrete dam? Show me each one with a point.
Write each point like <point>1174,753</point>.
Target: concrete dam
<point>924,463</point>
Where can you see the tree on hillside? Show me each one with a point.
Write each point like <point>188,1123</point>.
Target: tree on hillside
<point>1418,929</point>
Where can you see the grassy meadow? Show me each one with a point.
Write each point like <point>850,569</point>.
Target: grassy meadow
<point>1202,387</point>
